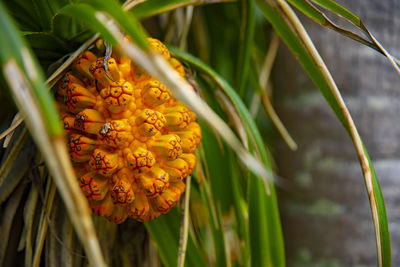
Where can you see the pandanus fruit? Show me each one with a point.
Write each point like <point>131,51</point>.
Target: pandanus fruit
<point>131,142</point>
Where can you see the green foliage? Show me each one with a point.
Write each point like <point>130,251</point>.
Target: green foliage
<point>165,233</point>
<point>339,10</point>
<point>265,234</point>
<point>235,202</point>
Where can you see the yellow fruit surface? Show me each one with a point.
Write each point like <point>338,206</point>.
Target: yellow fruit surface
<point>131,142</point>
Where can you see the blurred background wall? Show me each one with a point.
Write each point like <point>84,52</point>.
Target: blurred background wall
<point>325,210</point>
<point>326,215</point>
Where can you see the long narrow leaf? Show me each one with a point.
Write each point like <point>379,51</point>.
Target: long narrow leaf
<point>311,11</point>
<point>241,211</point>
<point>246,41</point>
<point>338,9</point>
<point>165,233</point>
<point>153,7</point>
<point>318,16</point>
<point>214,219</point>
<point>261,202</point>
<point>213,190</point>
<point>87,13</point>
<point>26,83</point>
<point>129,23</point>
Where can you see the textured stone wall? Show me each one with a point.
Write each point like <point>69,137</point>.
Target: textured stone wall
<point>325,213</point>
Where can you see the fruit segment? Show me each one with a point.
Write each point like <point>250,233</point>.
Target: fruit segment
<point>168,146</point>
<point>89,121</point>
<point>80,147</point>
<point>138,158</point>
<point>177,169</point>
<point>93,186</point>
<point>103,162</point>
<point>159,47</point>
<point>99,73</point>
<point>122,191</point>
<point>116,133</point>
<point>150,122</point>
<point>83,63</point>
<point>155,93</point>
<point>117,96</point>
<point>154,182</point>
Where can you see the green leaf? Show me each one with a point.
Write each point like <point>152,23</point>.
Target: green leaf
<point>338,9</point>
<point>47,41</point>
<point>241,209</point>
<point>87,14</point>
<point>383,222</point>
<point>164,231</point>
<point>25,81</point>
<point>64,26</point>
<point>318,16</point>
<point>368,39</point>
<point>301,54</point>
<point>129,23</point>
<point>259,249</point>
<point>56,5</point>
<point>12,47</point>
<point>246,42</point>
<point>43,12</point>
<point>214,220</point>
<point>273,239</point>
<point>153,7</point>
<point>309,10</point>
<point>215,162</point>
<point>23,14</point>
<point>216,192</point>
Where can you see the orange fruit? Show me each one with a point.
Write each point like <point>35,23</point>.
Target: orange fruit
<point>131,142</point>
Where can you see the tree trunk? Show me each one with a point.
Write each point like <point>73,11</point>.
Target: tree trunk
<point>326,214</point>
